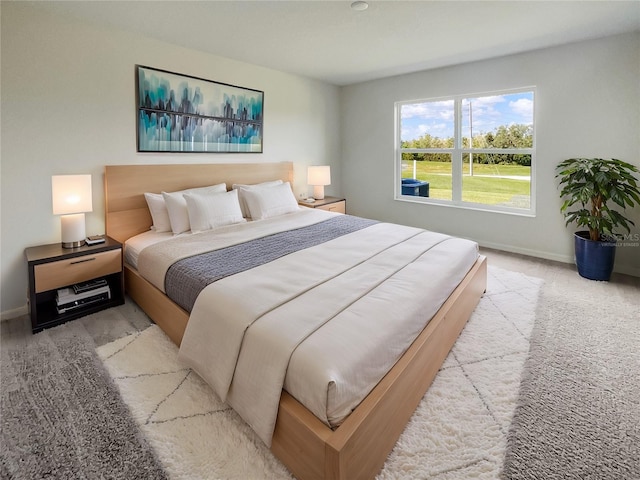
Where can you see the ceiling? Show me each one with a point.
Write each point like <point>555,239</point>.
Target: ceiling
<point>329,41</point>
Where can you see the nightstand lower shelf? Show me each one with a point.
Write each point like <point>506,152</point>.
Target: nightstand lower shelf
<point>48,316</point>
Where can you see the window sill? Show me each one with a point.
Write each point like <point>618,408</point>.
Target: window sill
<point>520,212</point>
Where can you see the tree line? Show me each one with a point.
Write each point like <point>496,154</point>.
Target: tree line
<point>504,137</point>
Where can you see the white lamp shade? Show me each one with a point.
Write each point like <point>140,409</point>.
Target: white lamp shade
<point>319,175</point>
<point>71,194</point>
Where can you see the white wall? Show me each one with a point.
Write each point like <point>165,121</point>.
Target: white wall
<point>68,106</point>
<point>587,105</point>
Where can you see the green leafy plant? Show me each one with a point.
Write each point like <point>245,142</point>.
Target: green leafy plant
<point>590,183</point>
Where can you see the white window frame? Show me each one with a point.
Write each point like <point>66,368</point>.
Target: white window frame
<point>457,153</point>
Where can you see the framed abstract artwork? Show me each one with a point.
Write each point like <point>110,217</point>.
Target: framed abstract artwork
<point>180,113</point>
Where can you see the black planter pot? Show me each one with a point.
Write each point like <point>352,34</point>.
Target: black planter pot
<point>594,259</point>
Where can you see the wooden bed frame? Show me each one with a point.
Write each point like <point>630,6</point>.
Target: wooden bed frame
<point>358,448</point>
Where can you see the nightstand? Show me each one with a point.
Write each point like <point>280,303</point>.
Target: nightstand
<point>333,204</point>
<point>52,267</point>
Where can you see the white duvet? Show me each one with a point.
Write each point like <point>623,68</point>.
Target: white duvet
<point>325,323</point>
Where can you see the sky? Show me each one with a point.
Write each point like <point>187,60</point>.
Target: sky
<point>487,112</point>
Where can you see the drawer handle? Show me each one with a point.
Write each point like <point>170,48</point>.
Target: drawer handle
<point>83,260</point>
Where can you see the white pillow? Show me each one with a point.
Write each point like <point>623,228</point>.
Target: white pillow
<point>211,210</point>
<point>158,210</point>
<point>270,202</point>
<point>177,206</point>
<point>243,188</point>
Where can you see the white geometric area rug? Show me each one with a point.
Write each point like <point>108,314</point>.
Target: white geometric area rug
<point>458,431</point>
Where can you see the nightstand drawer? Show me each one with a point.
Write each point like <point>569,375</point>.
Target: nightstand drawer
<point>49,276</point>
<point>334,207</point>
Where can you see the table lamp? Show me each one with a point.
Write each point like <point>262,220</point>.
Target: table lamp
<point>319,176</point>
<point>71,196</point>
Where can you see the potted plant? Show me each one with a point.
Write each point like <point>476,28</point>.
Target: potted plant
<point>590,184</point>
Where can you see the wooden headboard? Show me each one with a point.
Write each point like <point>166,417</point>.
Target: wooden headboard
<point>126,210</point>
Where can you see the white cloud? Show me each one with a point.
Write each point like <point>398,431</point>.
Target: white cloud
<point>523,107</point>
<point>410,132</point>
<point>487,102</point>
<point>434,118</point>
<point>427,110</point>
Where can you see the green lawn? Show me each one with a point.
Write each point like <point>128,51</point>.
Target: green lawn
<point>486,186</point>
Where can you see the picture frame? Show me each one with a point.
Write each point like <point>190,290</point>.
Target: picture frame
<point>186,114</point>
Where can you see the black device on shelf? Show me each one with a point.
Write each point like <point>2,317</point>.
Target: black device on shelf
<point>69,305</point>
<point>90,285</point>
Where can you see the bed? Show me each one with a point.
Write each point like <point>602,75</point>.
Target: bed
<point>310,447</point>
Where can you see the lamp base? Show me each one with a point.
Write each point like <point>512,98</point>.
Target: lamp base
<point>73,230</point>
<point>318,192</point>
<point>72,244</point>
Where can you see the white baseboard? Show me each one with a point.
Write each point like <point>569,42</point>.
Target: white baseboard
<point>624,269</point>
<point>527,251</point>
<point>627,270</point>
<point>16,312</point>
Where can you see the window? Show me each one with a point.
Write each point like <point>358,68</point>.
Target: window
<point>475,151</point>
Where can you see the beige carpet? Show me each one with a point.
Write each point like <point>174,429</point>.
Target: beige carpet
<point>458,431</point>
<point>61,416</point>
<point>578,411</point>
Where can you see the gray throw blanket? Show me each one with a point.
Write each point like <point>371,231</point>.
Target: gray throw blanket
<point>186,278</point>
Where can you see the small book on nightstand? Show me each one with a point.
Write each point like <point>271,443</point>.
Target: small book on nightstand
<point>94,240</point>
